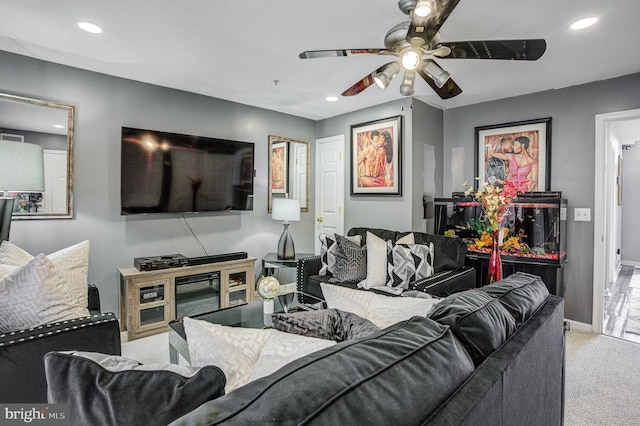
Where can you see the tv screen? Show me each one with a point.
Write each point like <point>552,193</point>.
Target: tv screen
<point>165,172</point>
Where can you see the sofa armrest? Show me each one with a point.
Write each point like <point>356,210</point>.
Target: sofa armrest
<point>94,300</point>
<point>307,266</point>
<point>448,282</point>
<point>22,352</point>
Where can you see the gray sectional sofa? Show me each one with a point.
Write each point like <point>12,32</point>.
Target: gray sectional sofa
<point>489,356</point>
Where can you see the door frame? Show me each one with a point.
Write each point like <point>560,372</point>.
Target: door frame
<point>602,222</point>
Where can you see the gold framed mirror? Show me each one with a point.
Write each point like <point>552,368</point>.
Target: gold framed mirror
<point>288,170</point>
<point>50,125</point>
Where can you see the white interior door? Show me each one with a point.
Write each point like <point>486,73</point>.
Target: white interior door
<point>54,198</point>
<point>329,187</point>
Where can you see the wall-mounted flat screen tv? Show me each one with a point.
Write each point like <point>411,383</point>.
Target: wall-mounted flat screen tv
<point>165,172</point>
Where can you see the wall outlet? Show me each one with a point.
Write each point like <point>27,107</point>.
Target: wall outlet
<point>582,214</point>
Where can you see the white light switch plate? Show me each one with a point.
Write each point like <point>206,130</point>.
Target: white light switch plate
<point>582,214</point>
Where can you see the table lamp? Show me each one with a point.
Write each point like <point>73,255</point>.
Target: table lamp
<point>21,170</point>
<point>286,209</point>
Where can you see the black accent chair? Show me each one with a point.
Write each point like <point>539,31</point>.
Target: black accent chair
<point>22,351</point>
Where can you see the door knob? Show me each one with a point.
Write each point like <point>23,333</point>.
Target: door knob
<point>319,219</point>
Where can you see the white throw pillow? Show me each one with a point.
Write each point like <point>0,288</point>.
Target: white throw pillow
<point>6,269</point>
<point>376,262</point>
<point>281,348</point>
<point>234,350</point>
<point>72,262</point>
<point>407,239</point>
<point>11,254</point>
<point>245,354</point>
<point>36,294</point>
<point>381,310</point>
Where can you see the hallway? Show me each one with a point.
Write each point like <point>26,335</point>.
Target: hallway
<point>617,304</point>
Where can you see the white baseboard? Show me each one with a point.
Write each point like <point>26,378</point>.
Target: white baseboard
<point>580,326</point>
<point>630,263</point>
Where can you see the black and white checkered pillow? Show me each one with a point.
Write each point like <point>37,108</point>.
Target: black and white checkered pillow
<point>328,251</point>
<point>408,262</point>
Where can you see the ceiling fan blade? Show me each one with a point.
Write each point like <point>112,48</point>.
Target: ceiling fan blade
<point>426,28</point>
<point>518,50</point>
<point>310,54</point>
<point>448,90</point>
<point>365,82</point>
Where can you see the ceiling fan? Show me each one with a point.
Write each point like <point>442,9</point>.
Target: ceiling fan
<point>417,41</point>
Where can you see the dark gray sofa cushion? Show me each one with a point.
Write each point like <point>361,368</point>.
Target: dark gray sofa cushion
<point>97,396</point>
<point>396,376</point>
<point>332,324</point>
<point>521,294</point>
<point>480,322</point>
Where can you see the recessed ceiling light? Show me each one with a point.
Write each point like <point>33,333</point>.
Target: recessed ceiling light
<point>58,126</point>
<point>90,28</point>
<point>584,23</point>
<point>332,98</point>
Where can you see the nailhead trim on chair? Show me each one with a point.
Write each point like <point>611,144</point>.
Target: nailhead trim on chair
<point>97,319</point>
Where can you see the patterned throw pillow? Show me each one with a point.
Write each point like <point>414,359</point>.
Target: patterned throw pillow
<point>332,324</point>
<point>72,262</point>
<point>36,294</point>
<point>381,310</point>
<point>407,263</point>
<point>245,354</point>
<point>351,261</point>
<point>328,251</point>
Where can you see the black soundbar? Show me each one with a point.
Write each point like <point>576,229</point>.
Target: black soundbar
<point>214,258</point>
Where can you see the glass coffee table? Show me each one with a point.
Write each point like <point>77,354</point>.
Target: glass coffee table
<point>248,315</point>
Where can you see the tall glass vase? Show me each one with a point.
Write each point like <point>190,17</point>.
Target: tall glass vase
<point>495,263</point>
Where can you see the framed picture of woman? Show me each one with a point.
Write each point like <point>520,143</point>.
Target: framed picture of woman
<point>278,167</point>
<point>376,157</point>
<point>517,152</point>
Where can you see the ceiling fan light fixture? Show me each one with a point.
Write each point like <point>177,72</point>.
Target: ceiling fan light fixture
<point>423,8</point>
<point>438,75</point>
<point>410,60</point>
<point>407,88</point>
<point>383,78</point>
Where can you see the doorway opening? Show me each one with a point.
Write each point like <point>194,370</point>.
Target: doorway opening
<point>616,296</point>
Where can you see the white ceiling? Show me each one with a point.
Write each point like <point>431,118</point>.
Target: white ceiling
<point>234,50</point>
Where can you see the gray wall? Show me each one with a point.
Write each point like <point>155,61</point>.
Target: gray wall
<point>420,124</point>
<point>630,204</point>
<point>573,112</point>
<point>105,104</point>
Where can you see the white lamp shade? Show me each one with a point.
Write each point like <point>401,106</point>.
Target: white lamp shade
<point>286,209</point>
<point>21,167</point>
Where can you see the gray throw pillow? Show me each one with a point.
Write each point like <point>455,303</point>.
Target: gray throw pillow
<point>328,247</point>
<point>96,395</point>
<point>351,261</point>
<point>331,324</point>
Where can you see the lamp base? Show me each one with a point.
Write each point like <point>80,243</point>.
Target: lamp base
<point>6,210</point>
<point>286,249</point>
<point>268,307</point>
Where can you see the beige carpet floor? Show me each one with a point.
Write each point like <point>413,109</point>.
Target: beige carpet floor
<point>602,378</point>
